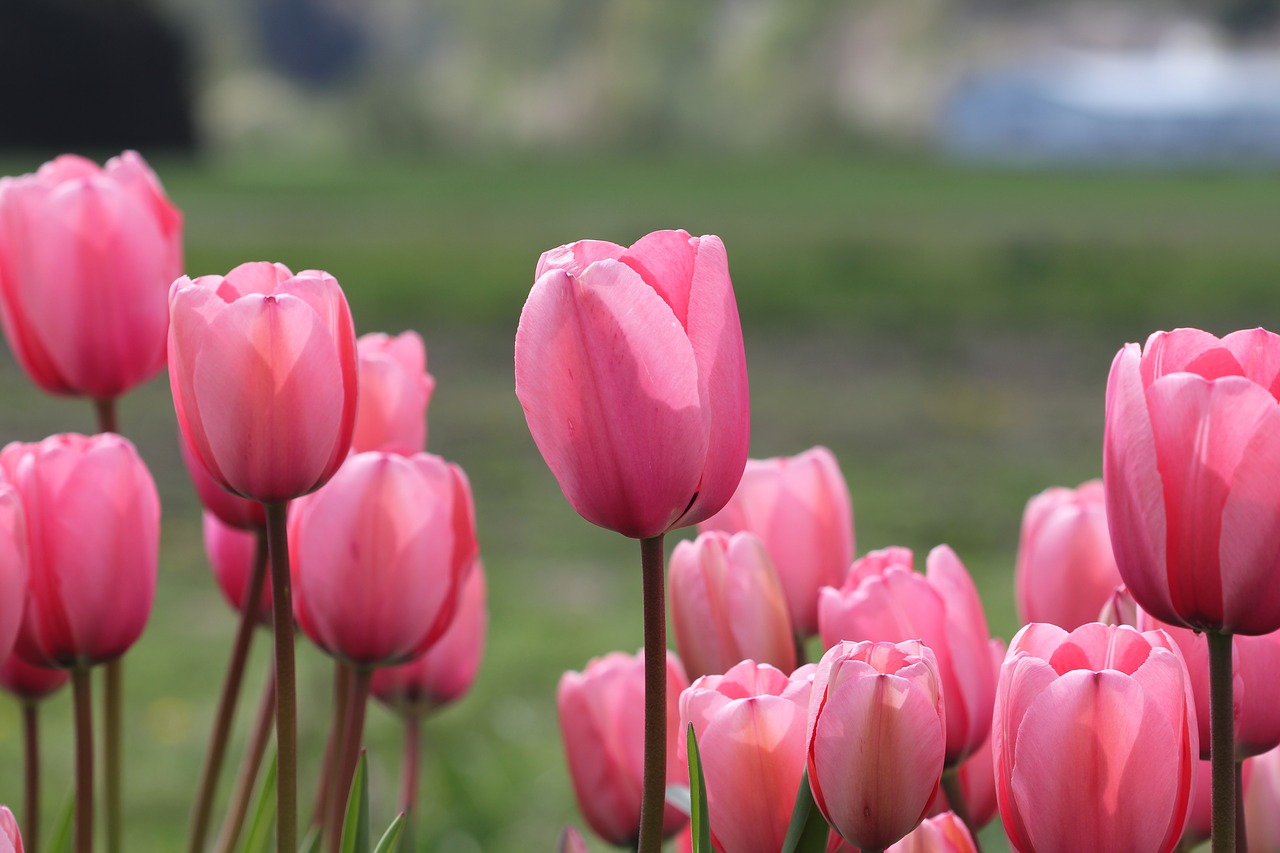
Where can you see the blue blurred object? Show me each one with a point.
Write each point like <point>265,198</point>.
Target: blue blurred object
<point>317,43</point>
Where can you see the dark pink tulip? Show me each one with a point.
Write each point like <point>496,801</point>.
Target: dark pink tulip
<point>232,553</point>
<point>395,390</point>
<point>231,509</point>
<point>1095,741</point>
<point>93,523</point>
<point>800,508</point>
<point>727,605</point>
<point>87,255</point>
<point>444,673</point>
<point>876,739</point>
<point>750,725</point>
<point>883,599</point>
<point>602,722</point>
<point>379,556</point>
<point>1066,568</point>
<point>10,837</point>
<point>263,368</point>
<point>28,682</point>
<point>1191,462</point>
<point>1262,802</point>
<point>630,368</point>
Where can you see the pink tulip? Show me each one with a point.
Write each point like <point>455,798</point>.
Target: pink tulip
<point>883,599</point>
<point>232,553</point>
<point>445,672</point>
<point>1095,740</point>
<point>876,739</point>
<point>727,605</point>
<point>602,723</point>
<point>263,369</point>
<point>1191,462</point>
<point>93,534</point>
<point>10,837</point>
<point>750,726</point>
<point>976,774</point>
<point>28,682</point>
<point>87,255</point>
<point>14,566</point>
<point>380,555</point>
<point>571,841</point>
<point>231,509</point>
<point>799,506</point>
<point>1066,568</point>
<point>631,372</point>
<point>395,390</point>
<point>945,833</point>
<point>1262,802</point>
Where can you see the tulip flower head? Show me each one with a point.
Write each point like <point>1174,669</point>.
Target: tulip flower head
<point>14,566</point>
<point>263,368</point>
<point>87,255</point>
<point>1191,464</point>
<point>28,682</point>
<point>1262,801</point>
<point>630,369</point>
<point>10,837</point>
<point>395,390</point>
<point>231,553</point>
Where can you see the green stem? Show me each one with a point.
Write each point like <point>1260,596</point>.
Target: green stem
<point>652,801</point>
<point>329,766</point>
<point>31,774</point>
<point>353,733</point>
<point>227,702</point>
<point>959,806</point>
<point>412,758</point>
<point>82,698</point>
<point>286,681</point>
<point>1222,742</point>
<point>113,772</point>
<point>802,653</point>
<point>248,775</point>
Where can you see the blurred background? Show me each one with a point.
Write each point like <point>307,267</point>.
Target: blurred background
<point>943,220</point>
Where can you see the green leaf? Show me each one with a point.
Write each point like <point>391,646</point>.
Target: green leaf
<point>355,826</point>
<point>808,831</point>
<point>390,842</point>
<point>311,841</point>
<point>62,827</point>
<point>699,819</point>
<point>260,837</point>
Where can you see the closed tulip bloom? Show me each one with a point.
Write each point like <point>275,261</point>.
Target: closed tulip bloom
<point>263,368</point>
<point>800,508</point>
<point>379,556</point>
<point>1095,740</point>
<point>28,682</point>
<point>883,599</point>
<point>87,255</point>
<point>93,522</point>
<point>1262,802</point>
<point>1191,462</point>
<point>231,509</point>
<point>630,369</point>
<point>976,774</point>
<point>231,553</point>
<point>876,739</point>
<point>9,834</point>
<point>601,713</point>
<point>944,833</point>
<point>395,390</point>
<point>14,562</point>
<point>445,672</point>
<point>1066,569</point>
<point>750,726</point>
<point>571,841</point>
<point>727,605</point>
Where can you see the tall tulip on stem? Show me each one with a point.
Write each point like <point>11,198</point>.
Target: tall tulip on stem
<point>630,369</point>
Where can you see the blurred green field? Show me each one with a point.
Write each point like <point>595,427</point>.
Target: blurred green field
<point>946,332</point>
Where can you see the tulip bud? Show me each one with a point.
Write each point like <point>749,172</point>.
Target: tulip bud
<point>395,390</point>
<point>10,837</point>
<point>232,553</point>
<point>28,682</point>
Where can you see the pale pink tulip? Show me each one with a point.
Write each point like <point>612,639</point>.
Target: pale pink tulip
<point>571,841</point>
<point>1095,742</point>
<point>944,833</point>
<point>263,368</point>
<point>1262,803</point>
<point>750,726</point>
<point>1066,568</point>
<point>800,508</point>
<point>876,739</point>
<point>602,722</point>
<point>87,255</point>
<point>727,605</point>
<point>1191,462</point>
<point>14,566</point>
<point>883,599</point>
<point>630,368</point>
<point>379,556</point>
<point>10,837</point>
<point>976,774</point>
<point>395,390</point>
<point>28,682</point>
<point>231,509</point>
<point>232,553</point>
<point>444,673</point>
<point>93,522</point>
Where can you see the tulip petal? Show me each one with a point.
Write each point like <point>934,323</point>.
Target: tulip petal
<point>1258,352</point>
<point>1187,351</point>
<point>1249,547</point>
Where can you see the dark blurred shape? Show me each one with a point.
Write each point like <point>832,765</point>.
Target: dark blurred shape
<point>93,76</point>
<point>1246,18</point>
<point>318,43</point>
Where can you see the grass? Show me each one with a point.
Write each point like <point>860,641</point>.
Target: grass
<point>947,332</point>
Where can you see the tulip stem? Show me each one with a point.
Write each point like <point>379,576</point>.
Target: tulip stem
<point>329,766</point>
<point>31,774</point>
<point>1222,742</point>
<point>113,775</point>
<point>286,689</point>
<point>959,805</point>
<point>652,801</point>
<point>228,700</point>
<point>357,700</point>
<point>248,774</point>
<point>412,758</point>
<point>82,698</point>
<point>105,410</point>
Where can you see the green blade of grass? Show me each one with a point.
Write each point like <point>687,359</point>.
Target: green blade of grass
<point>260,837</point>
<point>390,842</point>
<point>700,821</point>
<point>808,830</point>
<point>355,826</point>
